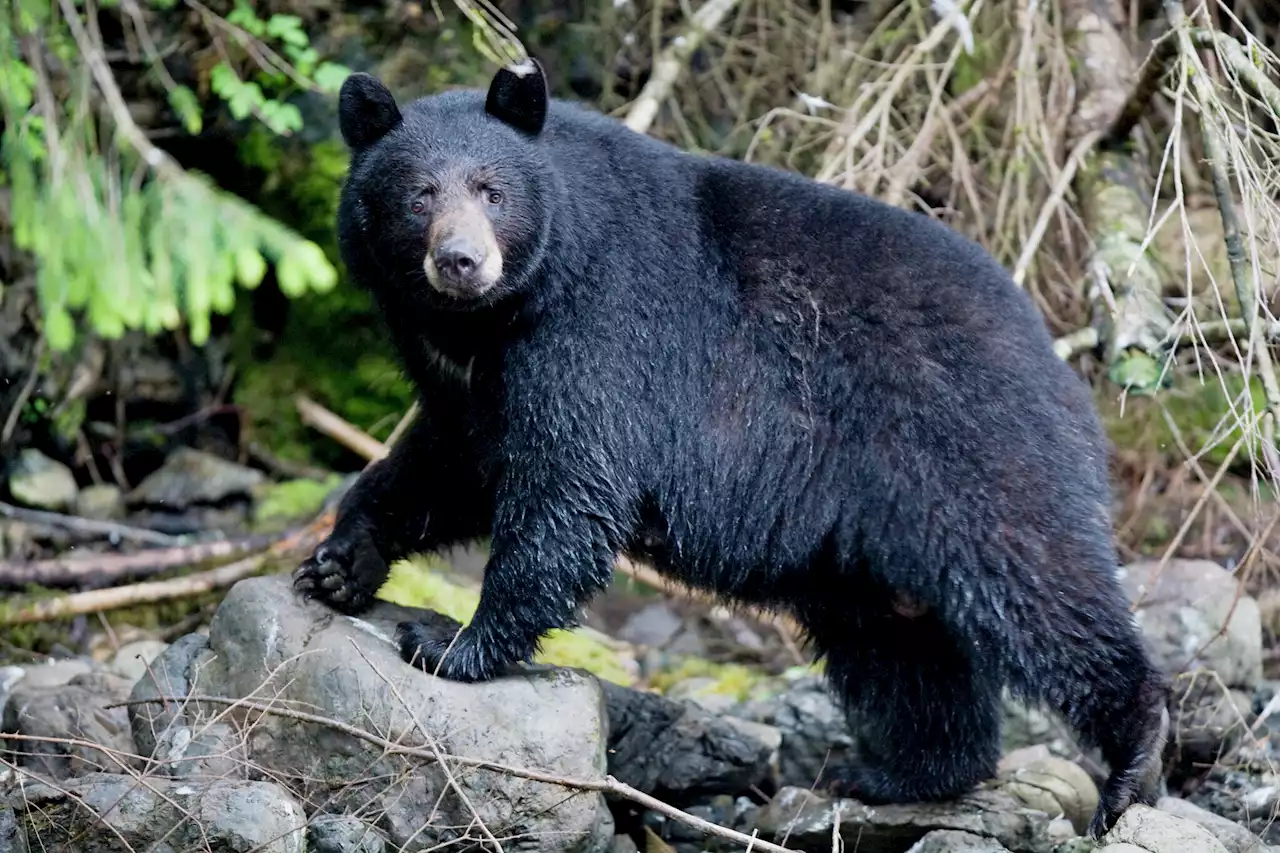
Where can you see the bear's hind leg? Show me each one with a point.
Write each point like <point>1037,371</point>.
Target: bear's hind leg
<point>927,718</point>
<point>1097,675</point>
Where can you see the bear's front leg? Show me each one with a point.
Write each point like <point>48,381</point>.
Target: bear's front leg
<point>545,562</point>
<point>426,494</point>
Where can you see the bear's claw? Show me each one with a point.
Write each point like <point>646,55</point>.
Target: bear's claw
<point>345,572</point>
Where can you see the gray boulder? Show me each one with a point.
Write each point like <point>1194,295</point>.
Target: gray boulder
<point>267,645</point>
<point>1194,615</point>
<point>106,813</point>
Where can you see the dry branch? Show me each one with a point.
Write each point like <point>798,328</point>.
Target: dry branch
<point>1125,282</point>
<point>16,611</point>
<point>74,571</point>
<point>608,785</point>
<point>90,526</point>
<point>353,438</point>
<point>672,62</point>
<point>1216,153</point>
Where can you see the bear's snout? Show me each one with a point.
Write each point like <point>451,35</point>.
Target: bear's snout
<point>463,258</point>
<point>459,259</point>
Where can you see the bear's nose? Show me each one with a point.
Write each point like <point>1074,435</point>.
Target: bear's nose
<point>458,259</point>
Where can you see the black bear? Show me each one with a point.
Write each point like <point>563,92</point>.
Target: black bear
<point>790,394</point>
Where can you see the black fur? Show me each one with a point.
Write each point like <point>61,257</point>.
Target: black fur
<point>366,110</point>
<point>518,96</point>
<point>790,394</point>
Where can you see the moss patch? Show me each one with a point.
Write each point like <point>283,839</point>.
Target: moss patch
<point>1198,409</point>
<point>423,582</point>
<point>716,679</point>
<point>280,504</point>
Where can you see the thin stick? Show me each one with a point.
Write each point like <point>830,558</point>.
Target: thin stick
<point>672,62</point>
<point>352,437</point>
<point>434,748</point>
<point>401,426</point>
<point>1216,154</point>
<point>11,422</point>
<point>608,785</point>
<point>154,157</point>
<point>77,524</point>
<point>1059,192</point>
<point>95,601</point>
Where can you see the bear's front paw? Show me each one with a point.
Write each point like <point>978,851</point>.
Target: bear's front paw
<point>345,572</point>
<point>428,648</point>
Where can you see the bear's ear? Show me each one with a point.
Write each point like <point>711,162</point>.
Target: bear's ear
<point>366,110</point>
<point>518,96</point>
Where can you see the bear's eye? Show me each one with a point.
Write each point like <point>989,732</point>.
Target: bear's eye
<point>418,206</point>
<point>494,197</point>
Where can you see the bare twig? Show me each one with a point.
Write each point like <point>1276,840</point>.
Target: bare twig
<point>16,612</point>
<point>435,750</point>
<point>11,421</point>
<point>76,524</point>
<point>352,437</point>
<point>1216,153</point>
<point>91,53</point>
<point>402,425</point>
<point>672,61</point>
<point>607,785</point>
<point>1077,156</point>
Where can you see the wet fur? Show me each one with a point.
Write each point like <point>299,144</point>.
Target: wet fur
<point>789,394</point>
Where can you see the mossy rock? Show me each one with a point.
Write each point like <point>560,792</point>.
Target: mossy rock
<point>732,680</point>
<point>424,582</point>
<point>1197,408</point>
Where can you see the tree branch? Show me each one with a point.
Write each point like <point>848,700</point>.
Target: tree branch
<point>672,62</point>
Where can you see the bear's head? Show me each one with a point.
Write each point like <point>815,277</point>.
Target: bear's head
<point>451,196</point>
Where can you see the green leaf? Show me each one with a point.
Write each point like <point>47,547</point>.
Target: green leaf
<point>322,274</point>
<point>287,28</point>
<point>281,117</point>
<point>243,101</point>
<point>17,86</point>
<point>291,276</point>
<point>185,104</point>
<point>251,267</point>
<point>304,59</point>
<point>244,17</point>
<point>330,76</point>
<point>59,331</point>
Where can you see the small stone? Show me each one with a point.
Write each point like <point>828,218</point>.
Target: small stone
<point>1195,615</point>
<point>807,820</point>
<point>133,658</point>
<point>103,502</point>
<point>10,842</point>
<point>40,482</point>
<point>56,673</point>
<point>1051,784</point>
<point>104,811</point>
<point>652,625</point>
<point>343,834</point>
<point>948,841</point>
<point>9,676</point>
<point>1232,835</point>
<point>1159,832</point>
<point>77,710</point>
<point>190,477</point>
<point>623,844</point>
